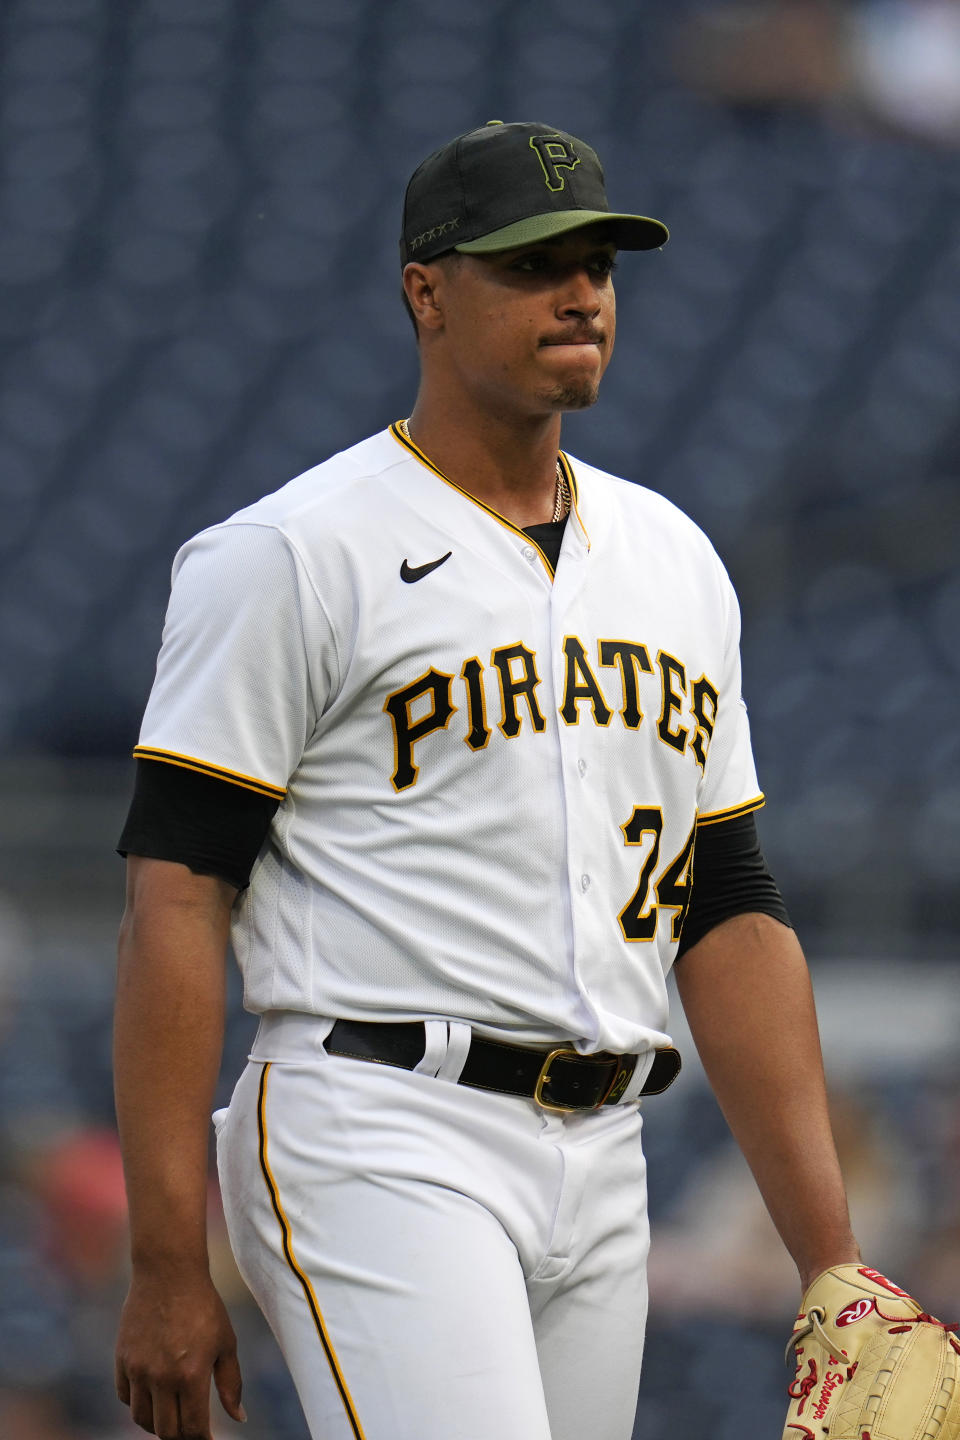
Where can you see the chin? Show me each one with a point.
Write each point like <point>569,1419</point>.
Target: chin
<point>574,395</point>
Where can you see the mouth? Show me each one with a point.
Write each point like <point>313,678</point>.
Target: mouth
<point>576,341</point>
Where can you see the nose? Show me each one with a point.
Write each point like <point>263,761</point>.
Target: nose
<point>580,295</point>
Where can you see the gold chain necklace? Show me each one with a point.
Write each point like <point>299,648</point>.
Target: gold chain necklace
<point>561,504</point>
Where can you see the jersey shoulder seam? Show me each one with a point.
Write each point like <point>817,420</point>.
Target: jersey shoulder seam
<point>240,521</point>
<point>645,495</point>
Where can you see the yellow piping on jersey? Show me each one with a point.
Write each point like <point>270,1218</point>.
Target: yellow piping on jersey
<point>571,479</point>
<point>215,772</point>
<point>415,450</point>
<point>711,817</point>
<point>292,1261</point>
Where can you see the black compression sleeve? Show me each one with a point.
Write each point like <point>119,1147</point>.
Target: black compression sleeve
<point>212,826</point>
<point>730,877</point>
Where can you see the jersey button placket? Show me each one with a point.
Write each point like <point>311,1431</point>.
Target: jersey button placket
<point>575,741</point>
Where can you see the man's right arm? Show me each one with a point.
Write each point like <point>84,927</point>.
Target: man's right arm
<point>174,1331</point>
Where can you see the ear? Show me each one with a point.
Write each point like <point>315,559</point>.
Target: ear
<point>423,285</point>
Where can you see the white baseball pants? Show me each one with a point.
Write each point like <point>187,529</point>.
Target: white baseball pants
<point>437,1262</point>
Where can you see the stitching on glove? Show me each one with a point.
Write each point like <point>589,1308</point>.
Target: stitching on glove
<point>801,1391</point>
<point>900,1360</point>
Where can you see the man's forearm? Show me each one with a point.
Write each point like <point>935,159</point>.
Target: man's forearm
<point>174,1331</point>
<point>747,997</point>
<point>167,1047</point>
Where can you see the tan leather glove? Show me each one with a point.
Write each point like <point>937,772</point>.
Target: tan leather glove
<point>871,1364</point>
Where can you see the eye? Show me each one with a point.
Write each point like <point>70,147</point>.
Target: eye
<point>532,262</point>
<point>603,264</point>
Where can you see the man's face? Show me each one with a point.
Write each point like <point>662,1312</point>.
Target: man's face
<point>531,330</point>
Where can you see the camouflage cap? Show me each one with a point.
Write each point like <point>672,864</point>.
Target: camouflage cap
<point>507,185</point>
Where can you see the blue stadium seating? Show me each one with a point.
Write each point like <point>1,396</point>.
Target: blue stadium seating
<point>199,297</point>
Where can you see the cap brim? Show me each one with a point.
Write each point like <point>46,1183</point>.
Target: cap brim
<point>628,232</point>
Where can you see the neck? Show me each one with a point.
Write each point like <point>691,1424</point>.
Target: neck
<point>509,464</point>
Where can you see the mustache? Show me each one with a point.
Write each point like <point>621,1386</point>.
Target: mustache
<point>583,335</point>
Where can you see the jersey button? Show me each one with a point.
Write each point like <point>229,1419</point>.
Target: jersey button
<point>584,883</point>
<point>582,767</point>
<point>529,553</point>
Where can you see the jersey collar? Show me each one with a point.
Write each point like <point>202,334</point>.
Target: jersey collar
<point>569,475</point>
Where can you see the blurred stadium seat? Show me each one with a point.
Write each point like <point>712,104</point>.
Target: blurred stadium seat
<point>199,298</point>
<point>198,242</point>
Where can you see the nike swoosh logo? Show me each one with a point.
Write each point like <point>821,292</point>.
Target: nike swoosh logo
<point>412,573</point>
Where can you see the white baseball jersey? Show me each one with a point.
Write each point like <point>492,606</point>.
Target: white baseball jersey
<point>489,776</point>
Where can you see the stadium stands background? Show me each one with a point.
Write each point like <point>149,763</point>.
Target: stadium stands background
<point>199,298</point>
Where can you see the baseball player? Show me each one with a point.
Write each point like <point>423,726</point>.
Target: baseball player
<point>447,736</point>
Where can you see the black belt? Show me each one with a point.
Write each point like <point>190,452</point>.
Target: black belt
<point>558,1079</point>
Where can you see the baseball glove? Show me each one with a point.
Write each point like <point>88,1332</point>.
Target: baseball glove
<point>871,1364</point>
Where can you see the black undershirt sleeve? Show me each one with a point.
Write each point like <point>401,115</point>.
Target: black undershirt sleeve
<point>212,826</point>
<point>730,877</point>
<point>218,828</point>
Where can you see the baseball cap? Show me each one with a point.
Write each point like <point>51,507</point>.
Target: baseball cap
<point>504,185</point>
